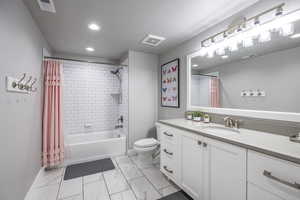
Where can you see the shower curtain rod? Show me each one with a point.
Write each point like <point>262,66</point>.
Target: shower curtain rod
<point>206,75</point>
<point>86,61</point>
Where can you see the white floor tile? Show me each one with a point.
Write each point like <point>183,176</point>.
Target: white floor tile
<point>141,187</point>
<point>70,188</point>
<point>115,181</point>
<point>121,160</point>
<point>126,195</point>
<point>95,191</point>
<point>49,177</point>
<point>142,163</point>
<point>130,171</point>
<point>45,193</point>
<point>168,190</point>
<point>76,197</point>
<point>154,175</point>
<point>92,178</point>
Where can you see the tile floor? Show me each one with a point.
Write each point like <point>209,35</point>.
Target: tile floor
<point>131,180</point>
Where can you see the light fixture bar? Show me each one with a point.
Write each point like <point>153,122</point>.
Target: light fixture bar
<point>235,27</point>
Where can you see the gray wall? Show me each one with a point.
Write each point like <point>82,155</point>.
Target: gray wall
<point>142,95</point>
<point>194,44</point>
<point>276,73</point>
<point>21,47</point>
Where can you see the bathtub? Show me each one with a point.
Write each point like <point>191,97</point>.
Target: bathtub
<point>92,146</point>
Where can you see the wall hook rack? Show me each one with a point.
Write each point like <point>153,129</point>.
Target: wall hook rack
<point>18,85</point>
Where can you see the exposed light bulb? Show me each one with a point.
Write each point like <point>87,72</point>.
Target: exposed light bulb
<point>210,52</point>
<point>247,42</point>
<point>233,46</point>
<point>287,29</point>
<point>220,50</point>
<point>203,52</point>
<point>225,57</point>
<point>265,36</point>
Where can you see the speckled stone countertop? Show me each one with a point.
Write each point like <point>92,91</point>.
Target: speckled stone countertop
<point>267,143</point>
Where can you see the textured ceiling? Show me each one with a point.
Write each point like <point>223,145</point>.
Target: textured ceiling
<point>126,22</point>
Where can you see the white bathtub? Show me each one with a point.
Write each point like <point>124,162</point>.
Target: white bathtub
<point>92,146</point>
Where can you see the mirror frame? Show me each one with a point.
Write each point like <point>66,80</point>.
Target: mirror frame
<point>261,114</point>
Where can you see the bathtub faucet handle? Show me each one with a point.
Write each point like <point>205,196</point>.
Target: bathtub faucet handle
<point>119,126</point>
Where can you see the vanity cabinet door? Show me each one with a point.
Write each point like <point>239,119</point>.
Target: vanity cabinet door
<point>192,165</point>
<point>225,172</point>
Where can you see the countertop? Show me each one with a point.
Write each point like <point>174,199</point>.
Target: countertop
<point>267,143</point>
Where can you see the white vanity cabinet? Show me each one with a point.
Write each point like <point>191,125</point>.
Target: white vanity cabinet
<point>192,164</point>
<point>170,153</point>
<point>205,169</point>
<point>271,178</point>
<point>225,171</point>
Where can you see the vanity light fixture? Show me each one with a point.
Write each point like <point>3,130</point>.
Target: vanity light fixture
<point>250,30</point>
<point>90,49</point>
<point>94,27</point>
<point>295,36</point>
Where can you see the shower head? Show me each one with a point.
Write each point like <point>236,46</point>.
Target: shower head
<point>115,72</point>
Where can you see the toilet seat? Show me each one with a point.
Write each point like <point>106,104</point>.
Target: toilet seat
<point>147,143</point>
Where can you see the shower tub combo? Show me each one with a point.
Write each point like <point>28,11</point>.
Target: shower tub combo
<point>92,146</point>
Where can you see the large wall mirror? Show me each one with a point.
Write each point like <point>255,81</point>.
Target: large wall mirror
<point>248,73</point>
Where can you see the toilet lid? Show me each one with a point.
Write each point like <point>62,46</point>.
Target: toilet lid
<point>147,142</point>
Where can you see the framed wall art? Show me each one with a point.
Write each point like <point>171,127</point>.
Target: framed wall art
<point>170,84</point>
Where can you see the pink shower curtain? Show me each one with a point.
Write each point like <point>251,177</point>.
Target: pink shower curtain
<point>53,140</point>
<point>214,92</point>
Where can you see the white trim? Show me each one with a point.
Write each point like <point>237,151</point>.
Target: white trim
<point>28,194</point>
<point>261,114</point>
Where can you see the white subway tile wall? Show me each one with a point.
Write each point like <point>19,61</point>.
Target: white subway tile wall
<point>90,103</point>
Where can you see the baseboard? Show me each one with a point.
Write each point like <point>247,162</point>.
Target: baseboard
<point>34,183</point>
<point>131,152</point>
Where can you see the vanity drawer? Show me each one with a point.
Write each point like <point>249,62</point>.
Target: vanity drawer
<point>169,168</point>
<point>169,134</point>
<point>168,150</point>
<point>276,176</point>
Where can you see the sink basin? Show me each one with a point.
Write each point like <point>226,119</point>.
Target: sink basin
<point>222,130</point>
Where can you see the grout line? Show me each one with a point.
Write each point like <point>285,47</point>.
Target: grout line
<point>102,174</point>
<point>82,183</point>
<point>148,179</point>
<point>126,179</point>
<point>60,183</point>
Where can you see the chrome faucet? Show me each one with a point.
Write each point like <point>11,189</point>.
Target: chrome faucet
<point>231,123</point>
<point>120,122</point>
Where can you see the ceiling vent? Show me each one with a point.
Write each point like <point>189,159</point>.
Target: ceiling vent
<point>153,40</point>
<point>47,5</point>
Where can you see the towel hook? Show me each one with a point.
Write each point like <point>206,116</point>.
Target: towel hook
<point>15,84</point>
<point>31,86</point>
<point>20,85</point>
<point>26,86</point>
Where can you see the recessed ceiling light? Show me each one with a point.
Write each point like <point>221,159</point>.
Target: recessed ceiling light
<point>195,65</point>
<point>90,49</point>
<point>224,57</point>
<point>295,36</point>
<point>94,27</point>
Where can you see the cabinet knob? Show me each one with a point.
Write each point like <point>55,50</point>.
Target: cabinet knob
<point>204,144</point>
<point>168,170</point>
<point>199,142</point>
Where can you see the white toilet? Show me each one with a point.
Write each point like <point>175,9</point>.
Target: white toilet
<point>146,147</point>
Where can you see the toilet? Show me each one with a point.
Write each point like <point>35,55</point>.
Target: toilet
<point>145,148</point>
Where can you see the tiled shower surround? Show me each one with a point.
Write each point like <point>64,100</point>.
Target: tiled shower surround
<point>91,97</point>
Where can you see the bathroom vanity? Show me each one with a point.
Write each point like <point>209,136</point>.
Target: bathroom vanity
<point>212,162</point>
